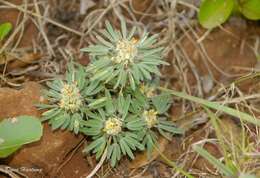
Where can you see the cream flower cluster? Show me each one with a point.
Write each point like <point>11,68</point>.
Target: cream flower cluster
<point>150,118</point>
<point>113,126</point>
<point>70,98</point>
<point>126,51</point>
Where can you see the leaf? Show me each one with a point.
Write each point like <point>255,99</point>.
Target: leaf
<point>98,102</point>
<point>162,102</point>
<point>135,124</point>
<point>222,168</point>
<point>58,121</point>
<point>18,131</point>
<point>219,107</point>
<point>94,144</point>
<point>214,12</point>
<point>250,9</point>
<point>5,28</point>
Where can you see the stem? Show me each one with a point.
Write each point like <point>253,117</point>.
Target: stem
<point>95,170</point>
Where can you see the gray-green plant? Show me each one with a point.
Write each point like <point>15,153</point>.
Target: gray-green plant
<point>110,99</point>
<point>69,99</point>
<point>118,103</point>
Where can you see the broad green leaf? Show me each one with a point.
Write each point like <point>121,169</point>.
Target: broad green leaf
<point>250,9</point>
<point>5,28</point>
<point>18,131</point>
<point>214,161</point>
<point>8,151</point>
<point>217,106</point>
<point>214,12</point>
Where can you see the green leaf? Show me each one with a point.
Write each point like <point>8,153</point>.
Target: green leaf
<point>135,124</point>
<point>18,131</point>
<point>250,9</point>
<point>162,102</point>
<point>94,144</point>
<point>101,150</point>
<point>214,12</point>
<point>123,104</point>
<point>170,129</point>
<point>111,31</point>
<point>58,121</point>
<point>123,28</point>
<point>97,103</point>
<point>222,168</point>
<point>132,82</point>
<point>76,118</point>
<point>5,28</point>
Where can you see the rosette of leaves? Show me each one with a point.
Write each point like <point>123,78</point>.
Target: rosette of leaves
<point>152,108</point>
<point>113,130</point>
<point>121,59</point>
<point>69,99</point>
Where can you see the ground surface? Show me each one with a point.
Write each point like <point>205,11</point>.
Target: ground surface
<point>50,32</point>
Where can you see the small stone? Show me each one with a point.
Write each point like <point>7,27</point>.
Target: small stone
<point>13,120</point>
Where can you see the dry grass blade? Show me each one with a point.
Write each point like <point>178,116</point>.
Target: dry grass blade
<point>219,107</point>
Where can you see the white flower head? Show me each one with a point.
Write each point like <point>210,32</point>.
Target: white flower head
<point>70,98</point>
<point>113,126</point>
<point>125,51</point>
<point>150,118</point>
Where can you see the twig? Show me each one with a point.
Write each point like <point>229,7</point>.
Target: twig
<point>94,171</point>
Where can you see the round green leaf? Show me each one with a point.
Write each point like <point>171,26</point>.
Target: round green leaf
<point>250,9</point>
<point>5,28</point>
<point>15,132</point>
<point>215,12</point>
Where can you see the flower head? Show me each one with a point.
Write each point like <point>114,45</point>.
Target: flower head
<point>150,118</point>
<point>71,99</point>
<point>113,126</point>
<point>125,51</point>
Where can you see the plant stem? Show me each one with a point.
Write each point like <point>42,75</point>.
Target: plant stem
<point>95,170</point>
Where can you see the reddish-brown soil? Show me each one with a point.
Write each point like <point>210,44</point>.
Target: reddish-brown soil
<point>229,50</point>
